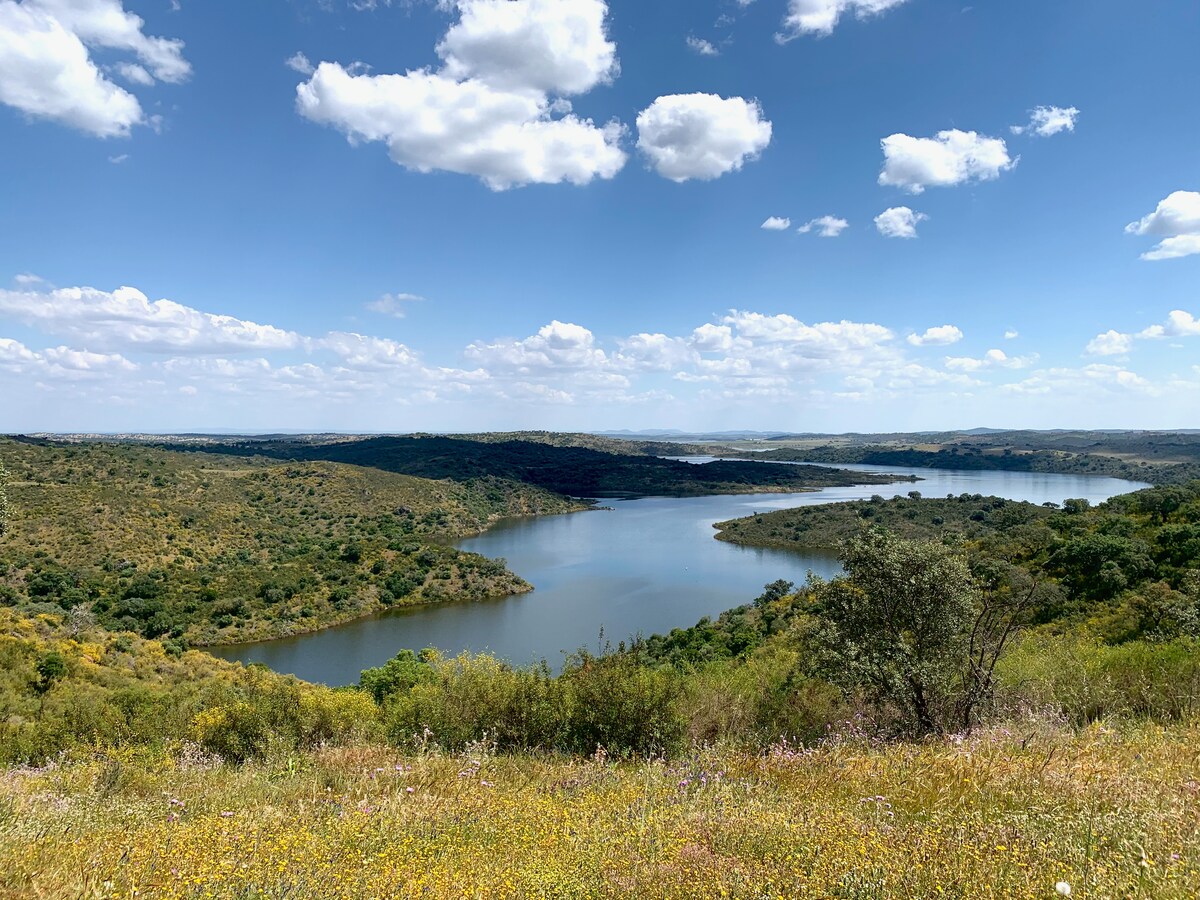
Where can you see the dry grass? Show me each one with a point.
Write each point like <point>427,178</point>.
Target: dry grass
<point>1114,813</point>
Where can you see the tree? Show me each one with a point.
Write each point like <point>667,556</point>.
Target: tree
<point>51,667</point>
<point>4,507</point>
<point>911,624</point>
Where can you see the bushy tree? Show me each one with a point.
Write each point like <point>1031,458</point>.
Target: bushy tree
<point>911,624</point>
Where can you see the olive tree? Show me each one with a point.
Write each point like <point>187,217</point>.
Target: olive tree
<point>910,624</point>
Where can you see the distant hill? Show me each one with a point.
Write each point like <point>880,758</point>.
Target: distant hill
<point>569,470</point>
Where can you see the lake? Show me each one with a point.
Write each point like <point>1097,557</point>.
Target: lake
<point>645,566</point>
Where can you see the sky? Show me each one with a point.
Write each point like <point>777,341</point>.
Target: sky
<point>709,215</point>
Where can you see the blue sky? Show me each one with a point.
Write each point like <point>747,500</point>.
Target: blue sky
<point>487,214</point>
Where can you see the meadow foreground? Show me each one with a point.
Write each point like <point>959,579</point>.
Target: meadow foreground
<point>1005,813</point>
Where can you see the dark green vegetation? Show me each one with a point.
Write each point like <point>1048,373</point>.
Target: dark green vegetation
<point>199,548</point>
<point>1156,457</point>
<point>1126,569</point>
<point>570,470</point>
<point>966,517</point>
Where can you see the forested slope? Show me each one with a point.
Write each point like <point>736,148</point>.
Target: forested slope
<point>200,548</point>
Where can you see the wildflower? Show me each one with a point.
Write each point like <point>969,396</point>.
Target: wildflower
<point>1063,888</point>
<point>410,790</point>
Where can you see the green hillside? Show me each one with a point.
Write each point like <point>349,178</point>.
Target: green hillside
<point>201,548</point>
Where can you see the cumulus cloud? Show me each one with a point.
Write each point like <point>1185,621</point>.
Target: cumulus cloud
<point>899,222</point>
<point>991,359</point>
<point>126,319</point>
<point>1110,343</point>
<point>654,352</point>
<point>59,362</point>
<point>556,347</point>
<point>820,17</point>
<point>1177,221</point>
<point>1087,381</point>
<point>553,46</point>
<point>1047,121</point>
<point>495,109</point>
<point>939,336</point>
<point>47,70</point>
<point>776,223</point>
<point>152,355</point>
<point>135,74</point>
<point>1179,324</point>
<point>702,47</point>
<point>701,136</point>
<point>1011,334</point>
<point>366,353</point>
<point>298,62</point>
<point>394,304</point>
<point>949,158</point>
<point>825,226</point>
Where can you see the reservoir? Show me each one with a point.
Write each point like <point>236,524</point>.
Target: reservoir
<point>642,567</point>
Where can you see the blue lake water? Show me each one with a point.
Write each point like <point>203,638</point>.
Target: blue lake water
<point>645,566</point>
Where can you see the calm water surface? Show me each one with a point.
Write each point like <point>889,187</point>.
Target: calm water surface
<point>645,566</point>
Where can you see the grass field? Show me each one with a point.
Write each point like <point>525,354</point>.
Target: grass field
<point>1007,813</point>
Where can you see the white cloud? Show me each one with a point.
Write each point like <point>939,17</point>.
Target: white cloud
<point>46,68</point>
<point>557,346</point>
<point>709,338</point>
<point>820,17</point>
<point>488,112</point>
<point>950,158</point>
<point>823,341</point>
<point>1111,343</point>
<point>1088,381</point>
<point>148,356</point>
<point>899,222</point>
<point>25,279</point>
<point>991,359</point>
<point>45,71</point>
<point>125,319</point>
<point>551,46</point>
<point>655,352</point>
<point>394,304</point>
<point>364,352</point>
<point>298,62</point>
<point>1011,334</point>
<point>1047,121</point>
<point>135,74</point>
<point>1175,248</point>
<point>825,226</point>
<point>106,23</point>
<point>776,223</point>
<point>430,122</point>
<point>1179,324</point>
<point>701,46</point>
<point>119,158</point>
<point>701,136</point>
<point>59,362</point>
<point>1177,221</point>
<point>939,336</point>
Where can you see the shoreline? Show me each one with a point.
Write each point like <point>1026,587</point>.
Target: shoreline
<point>593,506</point>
